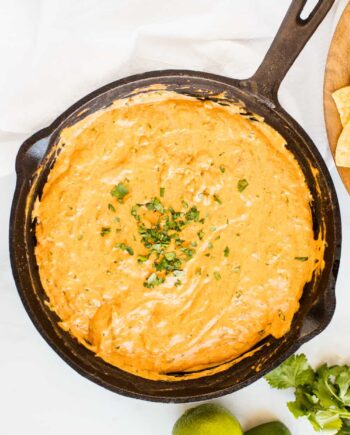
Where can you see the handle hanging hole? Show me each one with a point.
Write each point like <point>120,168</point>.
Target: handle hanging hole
<point>308,9</point>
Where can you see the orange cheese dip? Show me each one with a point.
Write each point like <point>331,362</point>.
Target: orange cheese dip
<point>174,234</point>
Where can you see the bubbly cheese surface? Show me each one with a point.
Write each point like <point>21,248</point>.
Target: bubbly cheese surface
<point>174,234</point>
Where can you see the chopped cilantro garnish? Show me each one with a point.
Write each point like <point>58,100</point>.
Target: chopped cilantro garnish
<point>217,199</point>
<point>119,191</point>
<point>200,234</point>
<point>210,245</point>
<point>153,280</point>
<point>222,168</point>
<point>160,236</point>
<point>217,276</point>
<point>124,247</point>
<point>142,258</point>
<point>301,258</point>
<point>192,214</point>
<point>161,192</point>
<point>177,283</point>
<point>111,207</point>
<point>184,204</point>
<point>227,251</point>
<point>105,230</point>
<point>242,184</point>
<point>155,205</point>
<point>281,315</point>
<point>168,264</point>
<point>189,252</point>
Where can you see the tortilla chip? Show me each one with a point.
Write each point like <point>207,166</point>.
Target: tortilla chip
<point>342,153</point>
<point>342,101</point>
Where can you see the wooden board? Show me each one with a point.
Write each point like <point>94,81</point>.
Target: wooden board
<point>337,75</point>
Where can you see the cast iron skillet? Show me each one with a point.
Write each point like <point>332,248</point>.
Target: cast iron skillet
<point>259,94</point>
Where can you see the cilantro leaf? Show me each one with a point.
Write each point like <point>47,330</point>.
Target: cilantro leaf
<point>302,259</point>
<point>119,191</point>
<point>217,275</point>
<point>293,372</point>
<point>345,429</point>
<point>302,405</point>
<point>125,247</point>
<point>153,280</point>
<point>242,184</point>
<point>325,420</point>
<point>105,230</point>
<point>217,199</point>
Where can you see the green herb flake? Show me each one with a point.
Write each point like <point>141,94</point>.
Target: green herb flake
<point>177,283</point>
<point>105,231</point>
<point>188,252</point>
<point>161,192</point>
<point>217,276</point>
<point>120,191</point>
<point>192,214</point>
<point>153,280</point>
<point>142,258</point>
<point>236,269</point>
<point>222,168</point>
<point>125,247</point>
<point>210,245</point>
<point>226,251</point>
<point>242,184</point>
<point>281,315</point>
<point>184,204</point>
<point>301,258</point>
<point>111,208</point>
<point>217,199</point>
<point>155,205</point>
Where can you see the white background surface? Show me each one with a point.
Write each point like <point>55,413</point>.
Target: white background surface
<point>52,53</point>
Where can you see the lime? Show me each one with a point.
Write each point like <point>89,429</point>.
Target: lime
<point>272,428</point>
<point>207,419</point>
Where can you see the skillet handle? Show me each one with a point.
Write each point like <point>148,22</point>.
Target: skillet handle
<point>291,38</point>
<point>31,153</point>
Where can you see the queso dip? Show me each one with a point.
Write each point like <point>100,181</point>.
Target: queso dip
<point>174,234</point>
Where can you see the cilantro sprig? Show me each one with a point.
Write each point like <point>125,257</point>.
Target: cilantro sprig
<point>322,395</point>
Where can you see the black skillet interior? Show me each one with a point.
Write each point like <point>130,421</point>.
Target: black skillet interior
<point>318,301</point>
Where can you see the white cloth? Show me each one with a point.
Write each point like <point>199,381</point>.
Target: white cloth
<point>52,53</point>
